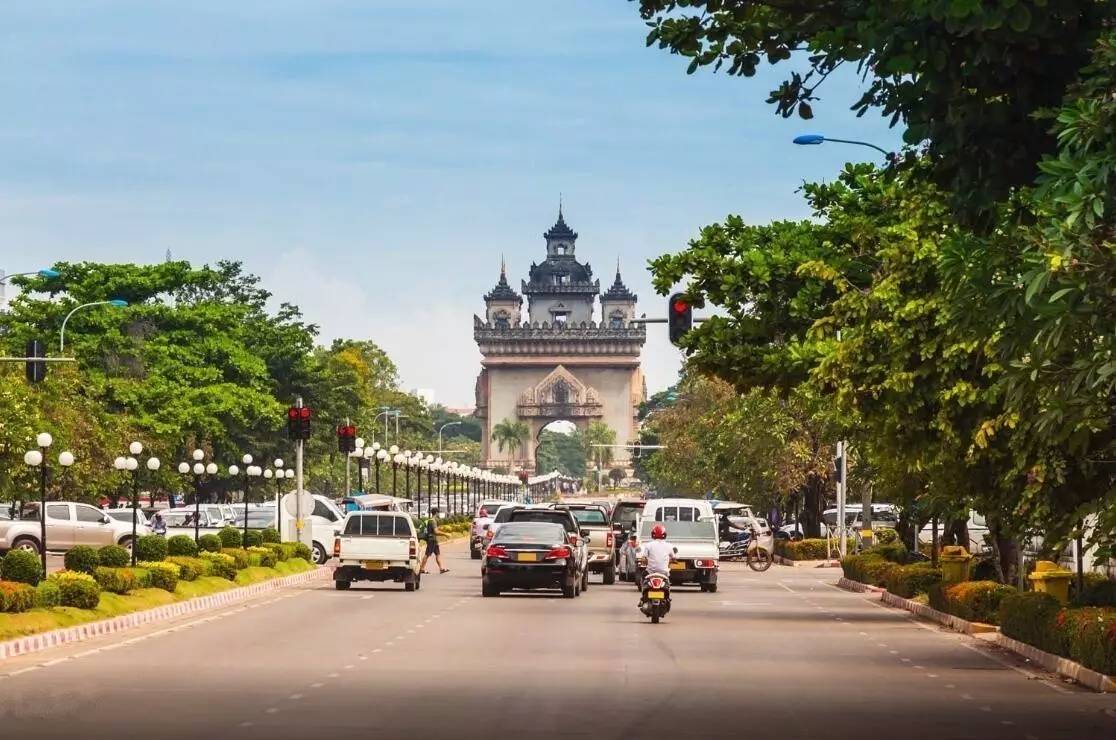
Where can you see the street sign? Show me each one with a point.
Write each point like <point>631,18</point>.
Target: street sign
<point>290,504</point>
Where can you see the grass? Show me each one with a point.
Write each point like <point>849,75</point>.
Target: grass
<point>114,605</point>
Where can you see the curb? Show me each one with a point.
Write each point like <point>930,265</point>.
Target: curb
<point>806,563</point>
<point>54,638</point>
<point>1064,667</point>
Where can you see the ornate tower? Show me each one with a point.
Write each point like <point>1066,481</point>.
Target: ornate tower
<point>563,363</point>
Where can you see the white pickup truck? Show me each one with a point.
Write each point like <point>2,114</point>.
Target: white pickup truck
<point>377,546</point>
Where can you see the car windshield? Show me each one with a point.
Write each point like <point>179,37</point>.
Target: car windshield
<point>589,516</point>
<point>540,533</point>
<point>701,530</point>
<point>626,514</point>
<point>543,515</point>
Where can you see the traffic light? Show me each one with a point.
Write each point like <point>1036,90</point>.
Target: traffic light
<point>304,423</point>
<point>680,317</point>
<point>298,423</point>
<point>523,476</point>
<point>837,467</point>
<point>637,449</point>
<point>36,371</point>
<point>346,438</point>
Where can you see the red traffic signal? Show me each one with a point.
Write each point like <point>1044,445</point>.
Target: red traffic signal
<point>298,423</point>
<point>346,438</point>
<point>680,317</point>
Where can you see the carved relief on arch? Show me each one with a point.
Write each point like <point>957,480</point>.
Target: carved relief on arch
<point>559,393</point>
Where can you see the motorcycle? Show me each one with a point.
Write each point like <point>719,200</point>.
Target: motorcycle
<point>734,550</point>
<point>656,597</point>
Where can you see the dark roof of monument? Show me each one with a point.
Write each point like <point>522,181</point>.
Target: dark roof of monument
<point>560,230</point>
<point>503,291</point>
<point>618,291</point>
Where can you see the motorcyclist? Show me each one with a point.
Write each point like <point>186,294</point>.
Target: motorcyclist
<point>658,553</point>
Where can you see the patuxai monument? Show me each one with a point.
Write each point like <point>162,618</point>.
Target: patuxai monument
<point>564,360</point>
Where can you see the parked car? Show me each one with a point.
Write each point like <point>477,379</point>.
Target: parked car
<point>377,546</point>
<point>482,520</point>
<point>125,515</point>
<point>68,524</point>
<point>531,555</point>
<point>181,521</point>
<point>502,516</point>
<point>977,527</point>
<point>599,538</point>
<point>697,552</point>
<point>325,520</point>
<point>575,536</point>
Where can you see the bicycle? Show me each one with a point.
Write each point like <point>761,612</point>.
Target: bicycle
<point>758,558</point>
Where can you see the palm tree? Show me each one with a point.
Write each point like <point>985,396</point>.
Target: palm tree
<point>599,433</point>
<point>510,434</point>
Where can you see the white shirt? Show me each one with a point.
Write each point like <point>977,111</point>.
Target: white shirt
<point>658,554</point>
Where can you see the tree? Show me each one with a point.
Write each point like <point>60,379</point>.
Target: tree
<point>599,433</point>
<point>562,452</point>
<point>616,476</point>
<point>510,434</point>
<point>965,78</point>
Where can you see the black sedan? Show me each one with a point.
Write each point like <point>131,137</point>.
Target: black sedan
<point>530,555</point>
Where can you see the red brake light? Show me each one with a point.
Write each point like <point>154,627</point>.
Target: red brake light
<point>496,551</point>
<point>656,582</point>
<point>559,552</point>
<point>413,552</point>
<point>292,412</point>
<point>336,547</point>
<point>704,563</point>
<point>609,540</point>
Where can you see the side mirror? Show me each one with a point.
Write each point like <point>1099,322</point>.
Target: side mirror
<point>106,519</point>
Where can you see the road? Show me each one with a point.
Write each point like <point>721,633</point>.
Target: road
<point>783,654</point>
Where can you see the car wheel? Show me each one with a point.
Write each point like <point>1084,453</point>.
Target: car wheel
<point>585,581</point>
<point>341,585</point>
<point>27,544</point>
<point>409,586</point>
<point>569,588</point>
<point>711,588</point>
<point>319,553</point>
<point>418,581</point>
<point>488,590</point>
<point>608,575</point>
<point>474,554</point>
<point>654,619</point>
<point>704,587</point>
<point>126,543</point>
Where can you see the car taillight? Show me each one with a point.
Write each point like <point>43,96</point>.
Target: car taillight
<point>704,563</point>
<point>336,547</point>
<point>559,552</point>
<point>413,552</point>
<point>496,551</point>
<point>609,540</point>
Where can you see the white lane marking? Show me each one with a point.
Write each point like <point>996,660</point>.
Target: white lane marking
<point>349,667</point>
<point>23,670</point>
<point>245,724</point>
<point>788,588</point>
<point>921,668</point>
<point>389,643</point>
<point>950,686</point>
<point>56,661</point>
<point>931,675</point>
<point>881,644</point>
<point>333,675</point>
<point>377,650</point>
<point>272,710</point>
<point>295,697</point>
<point>967,697</point>
<point>364,657</point>
<point>317,685</point>
<point>986,709</point>
<point>366,598</point>
<point>863,634</point>
<point>905,660</point>
<point>893,652</point>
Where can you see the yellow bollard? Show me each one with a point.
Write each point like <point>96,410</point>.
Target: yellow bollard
<point>955,561</point>
<point>1051,578</point>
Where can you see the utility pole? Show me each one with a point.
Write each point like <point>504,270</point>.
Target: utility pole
<point>842,542</point>
<point>348,485</point>
<point>298,481</point>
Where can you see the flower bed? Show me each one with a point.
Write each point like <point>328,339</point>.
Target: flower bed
<point>1086,635</point>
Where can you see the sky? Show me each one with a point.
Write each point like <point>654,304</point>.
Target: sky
<point>371,160</point>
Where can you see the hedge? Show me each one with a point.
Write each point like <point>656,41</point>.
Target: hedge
<point>190,568</point>
<point>303,551</point>
<point>886,536</point>
<point>242,558</point>
<point>267,557</point>
<point>16,597</point>
<point>253,538</point>
<point>182,544</point>
<point>82,559</point>
<point>808,549</point>
<point>1088,636</point>
<point>974,601</point>
<point>870,568</point>
<point>223,565</point>
<point>163,575</point>
<point>47,595</point>
<point>230,537</point>
<point>209,543</point>
<point>909,581</point>
<point>121,580</point>
<point>151,548</point>
<point>270,534</point>
<point>114,556</point>
<point>896,552</point>
<point>1097,593</point>
<point>21,566</point>
<point>281,553</point>
<point>1029,617</point>
<point>79,590</point>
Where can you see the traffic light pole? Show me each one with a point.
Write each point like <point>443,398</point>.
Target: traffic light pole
<point>298,481</point>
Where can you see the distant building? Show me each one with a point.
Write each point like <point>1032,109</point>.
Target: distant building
<point>461,410</point>
<point>426,394</point>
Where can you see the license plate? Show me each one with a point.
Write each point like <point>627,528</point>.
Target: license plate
<point>374,564</point>
<point>656,594</point>
<point>678,566</point>
<point>527,557</point>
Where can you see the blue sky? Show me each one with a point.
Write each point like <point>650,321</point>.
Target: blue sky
<point>372,159</point>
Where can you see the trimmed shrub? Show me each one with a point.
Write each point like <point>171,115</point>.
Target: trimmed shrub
<point>1097,593</point>
<point>1030,617</point>
<point>22,566</point>
<point>151,548</point>
<point>230,537</point>
<point>886,536</point>
<point>117,580</point>
<point>302,551</point>
<point>242,557</point>
<point>270,534</point>
<point>868,568</point>
<point>182,545</point>
<point>47,595</point>
<point>163,575</point>
<point>82,559</point>
<point>189,569</point>
<point>896,552</point>
<point>975,601</point>
<point>209,543</point>
<point>16,597</point>
<point>267,557</point>
<point>809,549</point>
<point>223,565</point>
<point>79,590</point>
<point>253,538</point>
<point>281,552</point>
<point>909,581</point>
<point>1089,637</point>
<point>113,556</point>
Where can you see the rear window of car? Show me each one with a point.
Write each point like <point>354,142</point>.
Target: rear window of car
<point>504,514</point>
<point>377,525</point>
<point>543,515</point>
<point>589,516</point>
<point>626,514</point>
<point>677,514</point>
<point>531,533</point>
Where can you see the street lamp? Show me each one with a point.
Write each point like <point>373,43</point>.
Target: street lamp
<point>381,456</point>
<point>38,458</point>
<point>447,424</point>
<point>818,139</point>
<point>250,471</point>
<point>46,272</point>
<point>116,302</point>
<point>198,469</point>
<point>131,465</point>
<point>396,461</point>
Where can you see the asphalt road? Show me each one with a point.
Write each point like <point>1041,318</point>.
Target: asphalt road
<point>782,654</point>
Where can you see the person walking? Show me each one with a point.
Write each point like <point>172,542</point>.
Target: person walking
<point>431,536</point>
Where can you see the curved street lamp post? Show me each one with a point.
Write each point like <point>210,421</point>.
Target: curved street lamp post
<point>115,302</point>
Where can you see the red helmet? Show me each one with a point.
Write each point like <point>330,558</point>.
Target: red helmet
<point>658,532</point>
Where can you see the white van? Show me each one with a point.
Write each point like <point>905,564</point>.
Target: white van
<point>677,510</point>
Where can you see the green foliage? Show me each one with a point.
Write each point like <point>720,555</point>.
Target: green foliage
<point>242,558</point>
<point>886,536</point>
<point>267,557</point>
<point>120,580</point>
<point>189,568</point>
<point>209,543</point>
<point>16,597</point>
<point>253,538</point>
<point>974,601</point>
<point>1030,617</point>
<point>868,568</point>
<point>163,575</point>
<point>21,566</point>
<point>222,565</point>
<point>1088,636</point>
<point>562,452</point>
<point>47,595</point>
<point>79,590</point>
<point>230,537</point>
<point>181,544</point>
<point>113,556</point>
<point>806,549</point>
<point>303,551</point>
<point>1098,593</point>
<point>270,535</point>
<point>510,434</point>
<point>909,581</point>
<point>281,552</point>
<point>150,547</point>
<point>82,559</point>
<point>896,552</point>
